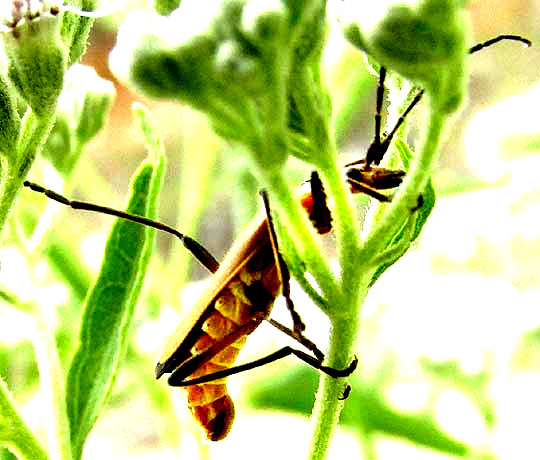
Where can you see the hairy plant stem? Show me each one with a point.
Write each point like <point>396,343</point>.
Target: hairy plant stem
<point>344,316</point>
<point>328,406</point>
<point>347,232</point>
<point>35,132</point>
<point>342,295</point>
<point>356,277</point>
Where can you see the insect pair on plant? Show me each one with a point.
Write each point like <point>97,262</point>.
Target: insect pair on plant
<point>241,293</point>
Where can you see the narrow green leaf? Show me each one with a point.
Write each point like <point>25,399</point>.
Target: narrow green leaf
<point>109,307</point>
<point>406,235</point>
<point>60,255</point>
<point>14,432</point>
<point>151,133</point>
<point>428,195</point>
<point>156,151</point>
<point>367,410</point>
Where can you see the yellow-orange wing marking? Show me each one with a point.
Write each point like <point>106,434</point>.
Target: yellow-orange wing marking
<point>253,238</point>
<point>241,293</point>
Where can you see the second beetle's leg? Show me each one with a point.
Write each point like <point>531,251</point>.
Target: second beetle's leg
<point>298,324</point>
<point>283,271</point>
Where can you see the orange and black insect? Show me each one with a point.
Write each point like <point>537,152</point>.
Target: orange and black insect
<point>241,292</point>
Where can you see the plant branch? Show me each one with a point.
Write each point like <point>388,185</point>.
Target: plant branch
<point>35,132</point>
<point>328,405</point>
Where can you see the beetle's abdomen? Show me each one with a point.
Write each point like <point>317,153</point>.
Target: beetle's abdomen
<point>216,418</point>
<point>248,297</point>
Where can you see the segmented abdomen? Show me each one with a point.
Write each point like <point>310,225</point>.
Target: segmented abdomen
<point>249,296</point>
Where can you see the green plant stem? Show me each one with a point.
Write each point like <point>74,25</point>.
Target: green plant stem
<point>311,105</point>
<point>347,232</point>
<point>343,297</point>
<point>356,277</point>
<point>327,409</point>
<point>51,382</point>
<point>15,434</point>
<point>35,132</point>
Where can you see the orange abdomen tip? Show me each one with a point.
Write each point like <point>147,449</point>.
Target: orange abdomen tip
<point>216,418</point>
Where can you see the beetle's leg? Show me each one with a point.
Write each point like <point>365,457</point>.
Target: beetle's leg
<point>300,338</point>
<point>283,271</point>
<point>346,393</point>
<point>385,144</point>
<point>378,148</point>
<point>190,365</point>
<point>279,354</point>
<point>198,251</point>
<point>374,151</point>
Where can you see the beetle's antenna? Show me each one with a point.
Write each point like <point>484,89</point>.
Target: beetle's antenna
<point>377,149</point>
<point>526,42</point>
<point>199,251</point>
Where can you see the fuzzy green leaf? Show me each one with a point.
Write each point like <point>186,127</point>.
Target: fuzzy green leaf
<point>428,195</point>
<point>406,235</point>
<point>76,28</point>
<point>109,308</point>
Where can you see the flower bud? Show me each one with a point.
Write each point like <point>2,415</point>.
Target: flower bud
<point>165,57</point>
<point>36,55</point>
<point>426,43</point>
<point>231,59</point>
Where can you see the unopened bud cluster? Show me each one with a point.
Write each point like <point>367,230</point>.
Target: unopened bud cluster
<point>18,12</point>
<point>38,44</point>
<point>232,59</point>
<point>426,43</point>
